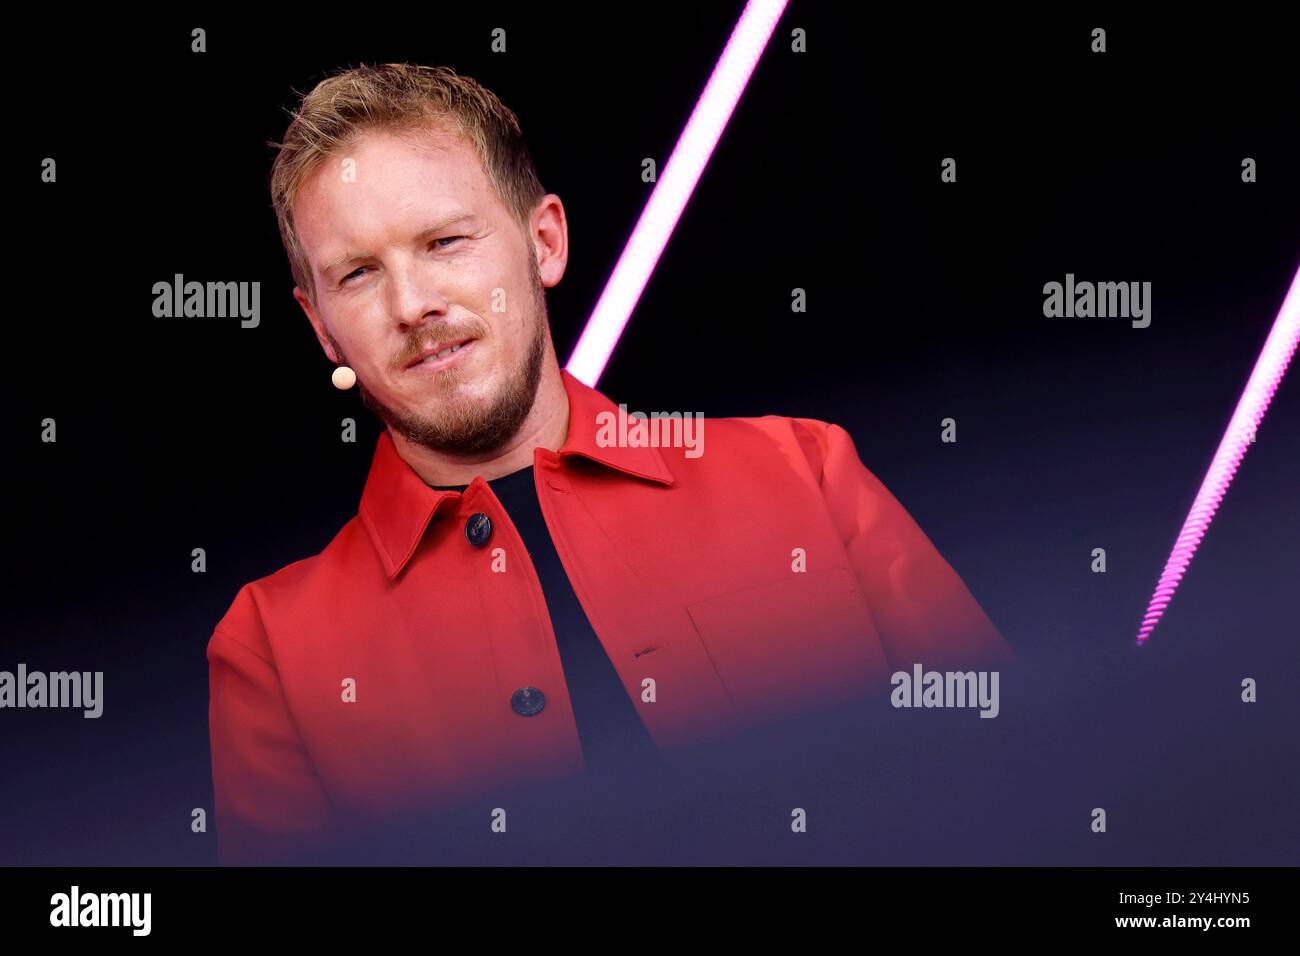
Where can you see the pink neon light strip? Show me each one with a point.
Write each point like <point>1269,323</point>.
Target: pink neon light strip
<point>673,189</point>
<point>1263,383</point>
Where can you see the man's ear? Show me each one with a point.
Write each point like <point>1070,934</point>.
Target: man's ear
<point>550,239</point>
<point>317,323</point>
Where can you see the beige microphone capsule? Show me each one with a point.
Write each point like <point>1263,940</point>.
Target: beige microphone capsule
<point>344,377</point>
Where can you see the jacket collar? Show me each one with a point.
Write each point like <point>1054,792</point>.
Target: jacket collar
<point>396,504</point>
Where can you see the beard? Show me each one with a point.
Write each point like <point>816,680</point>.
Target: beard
<point>465,428</point>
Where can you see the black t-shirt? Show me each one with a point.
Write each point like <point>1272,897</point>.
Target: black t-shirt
<point>613,737</point>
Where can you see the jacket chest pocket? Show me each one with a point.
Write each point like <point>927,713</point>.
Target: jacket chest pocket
<point>793,645</point>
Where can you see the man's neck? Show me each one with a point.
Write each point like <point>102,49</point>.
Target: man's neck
<point>546,426</point>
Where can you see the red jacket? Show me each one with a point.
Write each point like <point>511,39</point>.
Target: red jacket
<point>686,566</point>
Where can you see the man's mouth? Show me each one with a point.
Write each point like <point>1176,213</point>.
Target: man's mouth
<point>440,354</point>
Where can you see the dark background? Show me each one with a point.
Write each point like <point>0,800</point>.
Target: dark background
<point>924,302</point>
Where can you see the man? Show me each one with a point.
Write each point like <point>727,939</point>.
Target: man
<point>525,591</point>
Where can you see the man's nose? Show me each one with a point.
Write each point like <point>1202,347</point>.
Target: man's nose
<point>415,295</point>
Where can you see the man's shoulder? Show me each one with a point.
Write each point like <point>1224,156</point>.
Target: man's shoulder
<point>301,583</point>
<point>814,438</point>
<point>782,425</point>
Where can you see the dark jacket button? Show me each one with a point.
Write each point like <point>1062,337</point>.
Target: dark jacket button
<point>478,528</point>
<point>527,701</point>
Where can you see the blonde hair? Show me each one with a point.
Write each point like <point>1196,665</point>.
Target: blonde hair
<point>398,97</point>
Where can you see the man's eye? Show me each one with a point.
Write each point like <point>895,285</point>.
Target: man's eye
<point>355,272</point>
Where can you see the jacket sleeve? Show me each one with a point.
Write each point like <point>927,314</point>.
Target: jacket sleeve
<point>270,803</point>
<point>922,609</point>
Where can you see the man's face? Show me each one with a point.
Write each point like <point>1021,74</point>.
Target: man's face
<point>411,249</point>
